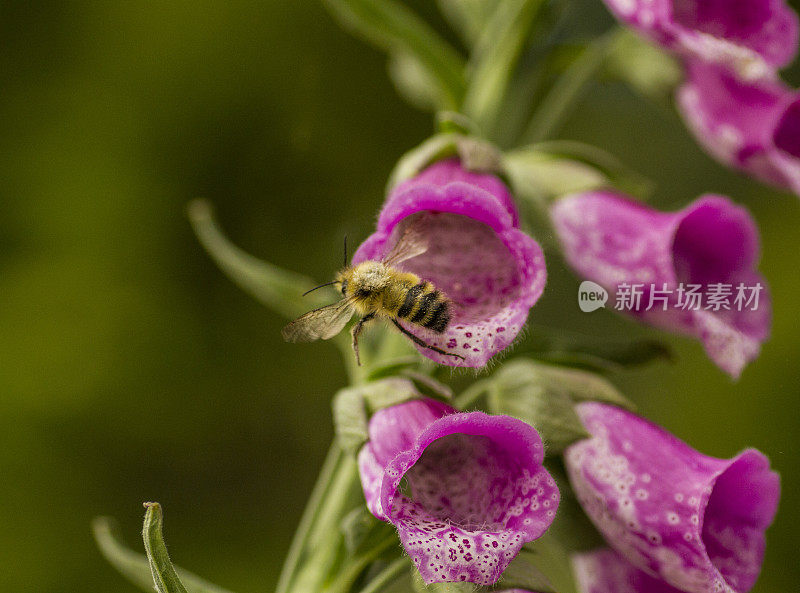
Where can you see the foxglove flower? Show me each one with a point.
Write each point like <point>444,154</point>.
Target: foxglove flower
<point>605,571</point>
<point>691,271</point>
<point>752,37</point>
<point>464,490</point>
<point>694,521</point>
<point>754,127</point>
<point>491,271</point>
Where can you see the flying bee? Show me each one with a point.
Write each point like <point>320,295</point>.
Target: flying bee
<point>377,289</point>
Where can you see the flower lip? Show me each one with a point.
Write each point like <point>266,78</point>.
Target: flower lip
<point>475,492</point>
<point>741,505</point>
<point>490,270</point>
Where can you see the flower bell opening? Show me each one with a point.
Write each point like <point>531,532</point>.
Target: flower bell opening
<point>465,494</point>
<point>490,270</point>
<point>787,133</point>
<point>482,295</point>
<point>741,506</point>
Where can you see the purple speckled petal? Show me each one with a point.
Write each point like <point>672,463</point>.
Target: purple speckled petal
<point>749,126</point>
<point>694,521</point>
<point>465,492</point>
<point>492,272</point>
<point>612,240</point>
<point>605,571</point>
<point>753,37</point>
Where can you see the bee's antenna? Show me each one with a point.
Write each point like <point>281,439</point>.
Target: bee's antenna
<point>320,286</point>
<point>345,251</point>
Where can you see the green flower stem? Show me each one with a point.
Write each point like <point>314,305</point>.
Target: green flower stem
<point>332,467</point>
<point>324,537</point>
<point>386,576</point>
<point>569,88</point>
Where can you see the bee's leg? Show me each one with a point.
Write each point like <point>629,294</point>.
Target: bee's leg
<point>357,330</point>
<point>422,343</point>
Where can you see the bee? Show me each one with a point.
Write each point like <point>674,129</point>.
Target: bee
<point>377,289</point>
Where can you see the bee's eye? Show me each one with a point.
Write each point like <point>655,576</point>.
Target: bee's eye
<point>344,287</point>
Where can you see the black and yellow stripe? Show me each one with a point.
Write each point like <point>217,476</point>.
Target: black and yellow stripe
<point>425,306</point>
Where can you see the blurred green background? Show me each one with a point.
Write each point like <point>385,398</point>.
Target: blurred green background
<point>132,370</point>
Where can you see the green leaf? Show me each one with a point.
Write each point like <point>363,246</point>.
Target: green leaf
<point>523,573</point>
<point>618,173</point>
<point>413,81</point>
<point>469,17</point>
<point>135,566</point>
<point>576,384</point>
<point>544,396</point>
<point>539,176</point>
<point>493,61</point>
<point>164,576</point>
<point>523,391</point>
<point>279,289</point>
<point>395,28</point>
<point>591,353</point>
<point>552,169</point>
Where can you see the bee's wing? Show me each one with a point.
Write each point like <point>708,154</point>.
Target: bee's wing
<point>323,323</point>
<point>411,242</point>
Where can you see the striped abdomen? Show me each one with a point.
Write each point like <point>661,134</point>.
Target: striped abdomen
<point>424,305</point>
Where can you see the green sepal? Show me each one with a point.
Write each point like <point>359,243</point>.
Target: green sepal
<point>552,560</point>
<point>475,155</point>
<point>352,407</point>
<point>644,67</point>
<point>278,289</point>
<point>135,566</point>
<point>395,28</point>
<point>388,392</point>
<point>350,418</point>
<point>421,587</point>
